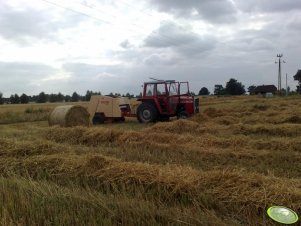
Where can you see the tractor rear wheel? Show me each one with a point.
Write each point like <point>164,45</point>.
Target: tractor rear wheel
<point>147,113</point>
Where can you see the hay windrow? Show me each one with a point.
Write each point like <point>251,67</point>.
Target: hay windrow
<point>69,116</point>
<point>177,127</point>
<point>25,200</point>
<point>213,112</point>
<point>247,191</point>
<point>10,147</point>
<point>83,135</point>
<point>268,129</point>
<point>155,137</point>
<point>293,119</point>
<point>226,120</point>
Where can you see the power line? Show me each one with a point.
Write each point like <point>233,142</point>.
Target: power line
<point>85,14</point>
<point>75,11</point>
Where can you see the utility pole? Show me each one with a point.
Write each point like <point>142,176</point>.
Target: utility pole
<point>279,70</point>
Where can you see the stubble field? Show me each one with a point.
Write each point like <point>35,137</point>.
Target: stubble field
<point>224,166</point>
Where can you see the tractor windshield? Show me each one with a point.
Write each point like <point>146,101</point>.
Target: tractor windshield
<point>184,88</point>
<point>173,89</point>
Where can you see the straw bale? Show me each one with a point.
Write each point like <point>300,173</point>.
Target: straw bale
<point>68,116</point>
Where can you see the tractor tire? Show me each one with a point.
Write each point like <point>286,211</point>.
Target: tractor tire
<point>98,119</point>
<point>182,115</point>
<point>147,113</point>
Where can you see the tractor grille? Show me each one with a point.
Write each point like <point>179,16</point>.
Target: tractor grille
<point>196,105</point>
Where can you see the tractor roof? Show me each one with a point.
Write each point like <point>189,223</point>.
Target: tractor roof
<point>160,81</point>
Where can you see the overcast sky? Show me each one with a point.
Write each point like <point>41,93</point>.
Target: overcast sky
<point>116,45</point>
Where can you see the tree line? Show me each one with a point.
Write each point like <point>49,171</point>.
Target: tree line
<point>52,98</point>
<point>233,87</point>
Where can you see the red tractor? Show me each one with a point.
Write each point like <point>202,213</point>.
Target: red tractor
<point>163,99</point>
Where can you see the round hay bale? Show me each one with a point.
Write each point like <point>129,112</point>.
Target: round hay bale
<point>68,116</point>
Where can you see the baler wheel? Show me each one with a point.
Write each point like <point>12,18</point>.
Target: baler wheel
<point>98,119</point>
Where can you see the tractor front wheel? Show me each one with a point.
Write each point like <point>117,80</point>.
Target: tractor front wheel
<point>146,113</point>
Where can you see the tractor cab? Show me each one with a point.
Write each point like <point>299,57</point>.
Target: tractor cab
<point>163,99</point>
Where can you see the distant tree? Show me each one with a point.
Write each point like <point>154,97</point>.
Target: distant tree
<point>233,87</point>
<point>251,89</point>
<point>60,97</point>
<point>219,90</point>
<point>14,99</point>
<point>24,99</point>
<point>204,91</point>
<point>129,95</point>
<point>88,95</point>
<point>42,98</point>
<point>75,97</point>
<point>139,96</point>
<point>297,77</point>
<point>67,98</point>
<point>53,98</point>
<point>1,98</point>
<point>33,98</point>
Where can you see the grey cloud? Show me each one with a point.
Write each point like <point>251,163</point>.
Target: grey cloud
<point>133,55</point>
<point>274,36</point>
<point>215,11</point>
<point>268,5</point>
<point>125,44</point>
<point>23,26</point>
<point>81,70</point>
<point>18,77</point>
<point>160,59</point>
<point>294,24</point>
<point>251,44</point>
<point>182,40</point>
<point>26,71</point>
<point>104,78</point>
